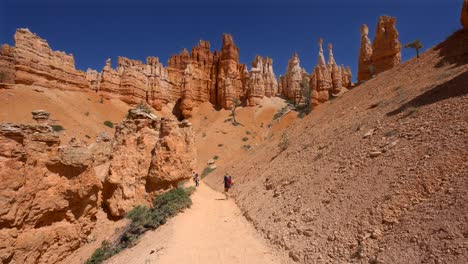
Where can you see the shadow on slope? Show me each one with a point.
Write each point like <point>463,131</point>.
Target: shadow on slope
<point>453,88</point>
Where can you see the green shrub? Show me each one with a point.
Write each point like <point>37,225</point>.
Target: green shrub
<point>57,128</point>
<point>142,219</point>
<point>215,157</point>
<point>109,124</point>
<point>245,138</point>
<point>206,171</point>
<point>248,132</point>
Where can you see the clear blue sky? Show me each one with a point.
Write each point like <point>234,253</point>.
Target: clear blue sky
<point>96,30</point>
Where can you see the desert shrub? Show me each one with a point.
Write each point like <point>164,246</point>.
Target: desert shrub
<point>57,128</point>
<point>203,134</point>
<point>216,157</point>
<point>109,124</point>
<point>88,136</point>
<point>86,113</point>
<point>281,112</point>
<point>220,145</point>
<point>284,142</point>
<point>207,170</point>
<point>245,139</point>
<point>246,147</point>
<point>142,219</point>
<point>247,132</point>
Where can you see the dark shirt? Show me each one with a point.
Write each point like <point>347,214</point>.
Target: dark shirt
<point>227,181</point>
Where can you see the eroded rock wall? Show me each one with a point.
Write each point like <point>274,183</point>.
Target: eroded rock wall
<point>7,64</point>
<point>262,80</point>
<point>291,82</point>
<point>150,155</point>
<point>50,193</point>
<point>365,67</point>
<point>386,48</point>
<point>36,63</point>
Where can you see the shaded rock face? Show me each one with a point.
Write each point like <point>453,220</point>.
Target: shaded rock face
<point>150,155</point>
<point>262,81</point>
<point>35,63</point>
<point>386,48</point>
<point>7,64</point>
<point>365,56</point>
<point>49,193</point>
<point>464,15</point>
<point>291,81</point>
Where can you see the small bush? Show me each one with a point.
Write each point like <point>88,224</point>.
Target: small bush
<point>88,136</point>
<point>142,219</point>
<point>57,128</point>
<point>109,124</point>
<point>203,134</point>
<point>248,132</point>
<point>284,142</point>
<point>216,157</point>
<point>206,171</point>
<point>245,139</point>
<point>281,112</point>
<point>246,147</point>
<point>144,107</point>
<point>220,145</point>
<point>86,114</point>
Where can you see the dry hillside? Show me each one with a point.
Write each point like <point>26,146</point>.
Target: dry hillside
<point>378,175</point>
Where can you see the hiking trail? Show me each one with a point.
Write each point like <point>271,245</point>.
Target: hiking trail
<point>213,230</point>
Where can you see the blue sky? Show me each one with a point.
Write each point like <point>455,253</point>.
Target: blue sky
<point>96,30</point>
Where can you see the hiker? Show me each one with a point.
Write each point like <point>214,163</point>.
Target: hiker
<point>227,184</point>
<point>196,179</point>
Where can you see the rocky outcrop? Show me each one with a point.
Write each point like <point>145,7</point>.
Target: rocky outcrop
<point>36,63</point>
<point>150,155</point>
<point>262,80</point>
<point>291,82</point>
<point>231,76</point>
<point>464,15</point>
<point>386,48</point>
<point>321,81</point>
<point>365,67</point>
<point>7,64</point>
<point>347,76</point>
<point>48,194</point>
<point>335,71</point>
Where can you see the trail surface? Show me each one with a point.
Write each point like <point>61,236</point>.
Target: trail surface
<point>213,230</point>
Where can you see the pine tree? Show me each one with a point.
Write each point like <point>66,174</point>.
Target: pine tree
<point>415,45</point>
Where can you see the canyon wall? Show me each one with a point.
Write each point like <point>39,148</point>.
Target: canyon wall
<point>385,52</point>
<point>7,64</point>
<point>36,63</point>
<point>50,193</point>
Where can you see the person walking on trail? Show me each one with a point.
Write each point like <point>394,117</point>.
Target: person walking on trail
<point>196,178</point>
<point>227,184</point>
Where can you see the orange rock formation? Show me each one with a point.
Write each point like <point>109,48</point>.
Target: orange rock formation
<point>386,48</point>
<point>365,68</point>
<point>292,80</point>
<point>320,81</point>
<point>50,194</point>
<point>262,80</point>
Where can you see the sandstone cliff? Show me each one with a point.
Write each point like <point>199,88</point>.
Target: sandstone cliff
<point>150,155</point>
<point>50,193</point>
<point>262,80</point>
<point>231,78</point>
<point>386,48</point>
<point>7,64</point>
<point>321,80</point>
<point>291,82</point>
<point>36,63</point>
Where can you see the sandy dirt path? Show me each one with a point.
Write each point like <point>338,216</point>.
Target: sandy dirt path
<point>213,230</point>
